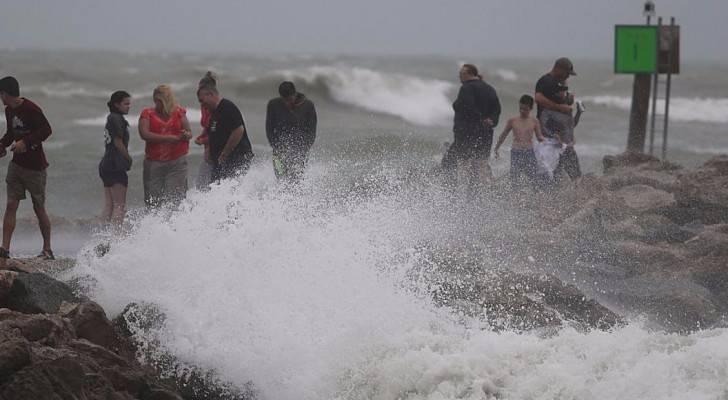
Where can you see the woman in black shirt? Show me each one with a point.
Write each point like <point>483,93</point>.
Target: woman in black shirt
<point>116,160</point>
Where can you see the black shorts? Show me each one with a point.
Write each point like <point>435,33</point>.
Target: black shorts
<point>477,148</point>
<point>111,178</point>
<point>231,169</point>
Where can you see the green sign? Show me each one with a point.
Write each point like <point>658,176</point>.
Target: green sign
<point>635,49</point>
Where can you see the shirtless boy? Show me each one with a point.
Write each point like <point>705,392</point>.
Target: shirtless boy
<point>523,159</point>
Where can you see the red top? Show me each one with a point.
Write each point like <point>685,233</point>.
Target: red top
<point>205,122</point>
<point>27,123</point>
<point>171,127</point>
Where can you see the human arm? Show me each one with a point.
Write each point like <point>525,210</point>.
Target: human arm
<point>186,129</point>
<point>235,137</point>
<point>270,125</point>
<point>491,120</point>
<point>465,103</point>
<point>40,131</point>
<point>547,103</point>
<point>6,140</point>
<point>502,137</point>
<point>537,130</point>
<point>151,137</point>
<point>309,131</point>
<point>119,144</point>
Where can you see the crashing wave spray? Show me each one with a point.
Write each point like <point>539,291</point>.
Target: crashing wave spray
<point>306,295</point>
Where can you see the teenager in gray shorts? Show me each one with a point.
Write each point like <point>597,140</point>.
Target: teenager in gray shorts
<point>27,128</point>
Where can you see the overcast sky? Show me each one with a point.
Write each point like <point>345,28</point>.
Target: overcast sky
<point>501,28</point>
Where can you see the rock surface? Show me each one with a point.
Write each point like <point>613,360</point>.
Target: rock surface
<point>54,345</point>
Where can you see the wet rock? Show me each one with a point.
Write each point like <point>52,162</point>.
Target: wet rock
<point>6,283</point>
<point>14,355</point>
<point>718,163</point>
<point>626,159</point>
<point>90,322</point>
<point>643,198</point>
<point>38,293</point>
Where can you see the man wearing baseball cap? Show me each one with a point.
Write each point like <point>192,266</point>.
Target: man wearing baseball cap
<point>555,105</point>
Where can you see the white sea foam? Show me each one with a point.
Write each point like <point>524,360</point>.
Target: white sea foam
<point>66,90</point>
<point>506,75</point>
<point>306,297</point>
<point>417,100</point>
<point>193,115</point>
<point>713,110</point>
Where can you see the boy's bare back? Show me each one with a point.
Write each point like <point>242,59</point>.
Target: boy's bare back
<point>523,131</point>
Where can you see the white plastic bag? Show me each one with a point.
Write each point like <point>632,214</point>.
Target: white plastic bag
<point>547,156</point>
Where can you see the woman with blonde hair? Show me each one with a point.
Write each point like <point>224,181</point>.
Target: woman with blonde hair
<point>167,133</point>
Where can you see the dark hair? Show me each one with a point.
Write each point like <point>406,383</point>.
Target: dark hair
<point>472,69</point>
<point>526,100</point>
<point>116,98</point>
<point>287,89</point>
<point>10,86</point>
<point>210,79</point>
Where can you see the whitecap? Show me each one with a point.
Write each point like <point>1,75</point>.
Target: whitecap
<point>506,75</point>
<point>713,110</point>
<point>416,100</point>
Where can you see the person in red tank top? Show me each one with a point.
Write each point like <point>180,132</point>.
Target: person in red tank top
<point>167,133</point>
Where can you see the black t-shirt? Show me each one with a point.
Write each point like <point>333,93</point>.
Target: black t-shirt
<point>550,87</point>
<point>113,160</point>
<point>223,121</point>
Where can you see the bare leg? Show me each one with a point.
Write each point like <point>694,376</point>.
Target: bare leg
<point>9,222</point>
<point>484,171</point>
<point>118,196</point>
<point>45,225</point>
<point>108,205</point>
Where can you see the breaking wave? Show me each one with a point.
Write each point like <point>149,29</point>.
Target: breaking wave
<point>416,100</point>
<point>307,296</point>
<point>713,110</point>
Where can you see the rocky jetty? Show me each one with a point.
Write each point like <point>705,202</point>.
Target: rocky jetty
<point>56,345</point>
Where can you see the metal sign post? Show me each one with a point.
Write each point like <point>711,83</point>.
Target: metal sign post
<point>647,51</point>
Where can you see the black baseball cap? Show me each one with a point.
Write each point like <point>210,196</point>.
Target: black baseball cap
<point>565,64</point>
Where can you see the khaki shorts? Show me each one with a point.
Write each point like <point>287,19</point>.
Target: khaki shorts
<point>20,179</point>
<point>165,181</point>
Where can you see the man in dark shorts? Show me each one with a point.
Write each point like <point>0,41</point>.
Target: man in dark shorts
<point>555,113</point>
<point>230,149</point>
<point>290,126</point>
<point>27,128</point>
<point>477,110</point>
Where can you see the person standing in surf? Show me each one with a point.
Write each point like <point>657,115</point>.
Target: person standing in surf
<point>290,126</point>
<point>477,110</point>
<point>167,133</point>
<point>204,174</point>
<point>230,149</point>
<point>116,160</point>
<point>554,112</point>
<point>27,129</point>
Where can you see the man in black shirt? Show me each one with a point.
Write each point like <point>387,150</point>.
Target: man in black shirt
<point>290,125</point>
<point>477,110</point>
<point>230,149</point>
<point>551,95</point>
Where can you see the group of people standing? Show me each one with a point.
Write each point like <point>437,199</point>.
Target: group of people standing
<point>477,112</point>
<point>291,122</point>
<point>290,127</point>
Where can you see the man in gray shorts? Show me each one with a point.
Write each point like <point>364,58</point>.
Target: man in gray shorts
<point>27,128</point>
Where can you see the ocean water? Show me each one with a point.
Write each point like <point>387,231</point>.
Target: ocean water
<point>309,294</point>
